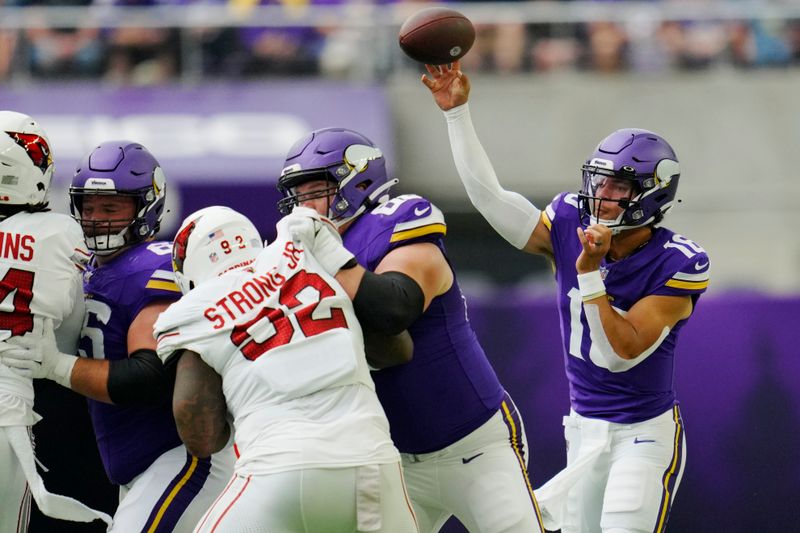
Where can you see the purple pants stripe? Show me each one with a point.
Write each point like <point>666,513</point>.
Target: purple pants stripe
<point>514,425</point>
<point>672,473</point>
<point>178,495</point>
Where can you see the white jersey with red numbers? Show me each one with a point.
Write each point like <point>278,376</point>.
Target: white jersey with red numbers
<point>41,258</point>
<point>283,335</point>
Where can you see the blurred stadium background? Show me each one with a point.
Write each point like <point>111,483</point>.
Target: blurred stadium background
<point>219,90</point>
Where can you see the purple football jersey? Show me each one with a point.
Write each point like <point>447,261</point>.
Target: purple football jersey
<point>668,265</point>
<point>129,438</point>
<point>449,388</point>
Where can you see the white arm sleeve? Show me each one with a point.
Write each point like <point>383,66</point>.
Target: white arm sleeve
<point>601,346</point>
<point>509,213</point>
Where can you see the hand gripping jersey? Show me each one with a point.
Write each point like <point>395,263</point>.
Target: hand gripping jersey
<point>283,335</point>
<point>41,257</point>
<point>449,388</point>
<point>669,265</point>
<point>129,438</point>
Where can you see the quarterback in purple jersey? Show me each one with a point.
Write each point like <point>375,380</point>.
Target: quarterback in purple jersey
<point>117,195</point>
<point>626,287</point>
<point>460,436</point>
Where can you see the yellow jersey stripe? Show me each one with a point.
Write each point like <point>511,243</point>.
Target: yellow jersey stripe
<point>172,494</point>
<point>163,285</point>
<point>692,285</point>
<point>419,232</point>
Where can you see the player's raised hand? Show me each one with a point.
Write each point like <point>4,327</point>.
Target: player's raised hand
<point>449,86</point>
<point>319,236</point>
<point>329,250</point>
<point>303,224</point>
<point>596,241</point>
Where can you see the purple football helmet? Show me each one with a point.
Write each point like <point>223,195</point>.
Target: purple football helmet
<point>120,168</point>
<point>352,164</point>
<point>642,158</point>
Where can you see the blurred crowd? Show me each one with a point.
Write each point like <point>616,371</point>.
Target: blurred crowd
<point>151,55</point>
<point>639,45</point>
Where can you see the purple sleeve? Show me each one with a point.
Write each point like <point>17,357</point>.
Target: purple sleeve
<point>150,284</point>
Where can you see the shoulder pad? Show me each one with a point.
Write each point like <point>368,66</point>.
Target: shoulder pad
<point>182,324</point>
<point>690,264</point>
<point>150,265</point>
<point>562,204</point>
<point>410,216</point>
<point>162,280</point>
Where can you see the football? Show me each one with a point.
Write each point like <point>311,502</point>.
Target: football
<point>436,35</point>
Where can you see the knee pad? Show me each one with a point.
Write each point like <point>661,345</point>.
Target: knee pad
<point>633,497</point>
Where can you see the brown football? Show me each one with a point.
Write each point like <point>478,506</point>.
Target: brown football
<point>436,35</point>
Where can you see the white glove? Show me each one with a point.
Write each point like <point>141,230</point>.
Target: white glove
<point>303,224</point>
<point>19,360</point>
<point>319,236</point>
<point>34,356</point>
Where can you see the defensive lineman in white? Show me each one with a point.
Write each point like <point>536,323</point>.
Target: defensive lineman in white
<point>41,257</point>
<point>270,336</point>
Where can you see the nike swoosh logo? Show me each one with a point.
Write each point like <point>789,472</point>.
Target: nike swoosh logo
<point>637,440</point>
<point>701,266</point>
<point>421,210</point>
<point>468,459</point>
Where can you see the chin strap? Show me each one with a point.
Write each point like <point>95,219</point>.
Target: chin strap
<point>616,226</point>
<point>107,244</point>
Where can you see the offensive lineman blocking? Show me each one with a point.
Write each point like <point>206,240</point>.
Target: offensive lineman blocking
<point>460,435</point>
<point>118,196</point>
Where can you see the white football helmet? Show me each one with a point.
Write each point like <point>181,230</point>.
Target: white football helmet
<point>26,164</point>
<point>210,242</point>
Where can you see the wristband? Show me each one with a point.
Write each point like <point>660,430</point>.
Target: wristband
<point>591,285</point>
<point>61,371</point>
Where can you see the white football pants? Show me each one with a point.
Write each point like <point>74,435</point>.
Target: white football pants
<point>631,485</point>
<point>174,492</point>
<point>482,479</point>
<point>368,498</point>
<point>15,497</point>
